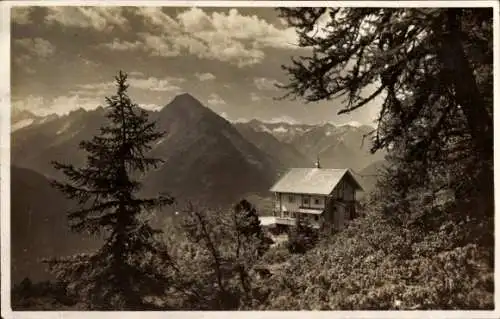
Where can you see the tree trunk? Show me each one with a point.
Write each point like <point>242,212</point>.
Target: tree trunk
<point>466,90</point>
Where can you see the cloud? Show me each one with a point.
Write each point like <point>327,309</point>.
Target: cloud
<point>67,103</point>
<point>351,123</point>
<point>89,63</point>
<point>22,62</point>
<point>91,95</point>
<point>26,49</point>
<point>30,103</point>
<point>36,47</point>
<point>237,26</point>
<point>22,59</point>
<point>156,17</point>
<point>60,105</point>
<point>155,84</point>
<point>119,45</point>
<point>21,15</point>
<point>136,74</point>
<point>266,84</point>
<point>231,37</point>
<point>322,28</point>
<point>254,97</point>
<point>29,69</point>
<point>205,76</point>
<point>215,100</point>
<point>99,18</point>
<point>219,48</point>
<point>94,89</point>
<point>151,107</point>
<point>147,42</point>
<point>167,84</point>
<point>157,45</point>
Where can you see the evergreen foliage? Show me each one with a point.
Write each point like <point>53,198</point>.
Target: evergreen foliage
<point>426,241</point>
<point>419,59</point>
<point>128,267</point>
<point>302,237</point>
<point>248,225</point>
<point>433,69</point>
<point>225,248</point>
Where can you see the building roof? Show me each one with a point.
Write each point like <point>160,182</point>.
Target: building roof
<point>318,181</point>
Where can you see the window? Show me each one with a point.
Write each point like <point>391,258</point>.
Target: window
<point>316,201</point>
<point>290,198</point>
<point>305,201</point>
<point>316,217</point>
<point>292,215</point>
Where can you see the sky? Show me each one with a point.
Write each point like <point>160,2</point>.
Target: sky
<point>64,58</point>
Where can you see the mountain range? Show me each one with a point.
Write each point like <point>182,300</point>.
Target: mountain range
<point>208,160</point>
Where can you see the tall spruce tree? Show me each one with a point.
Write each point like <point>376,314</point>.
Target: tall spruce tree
<point>128,267</point>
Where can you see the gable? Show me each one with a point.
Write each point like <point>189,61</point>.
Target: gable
<point>351,181</point>
<point>347,186</point>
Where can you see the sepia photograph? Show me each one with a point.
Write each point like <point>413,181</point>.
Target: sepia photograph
<point>240,156</point>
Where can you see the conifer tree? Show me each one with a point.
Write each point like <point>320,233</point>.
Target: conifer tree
<point>418,59</point>
<point>432,67</point>
<point>249,226</point>
<point>128,267</point>
<point>302,237</point>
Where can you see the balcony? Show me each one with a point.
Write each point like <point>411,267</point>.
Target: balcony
<point>311,210</point>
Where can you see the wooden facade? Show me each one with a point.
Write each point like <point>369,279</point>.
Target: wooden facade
<point>334,208</point>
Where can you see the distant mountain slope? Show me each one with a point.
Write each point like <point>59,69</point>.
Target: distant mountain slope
<point>284,153</point>
<point>23,118</point>
<point>39,225</point>
<point>336,146</point>
<point>35,146</point>
<point>282,131</point>
<point>370,174</point>
<point>55,138</point>
<point>206,158</point>
<point>20,119</point>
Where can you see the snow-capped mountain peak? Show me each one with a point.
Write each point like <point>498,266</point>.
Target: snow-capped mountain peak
<point>352,123</point>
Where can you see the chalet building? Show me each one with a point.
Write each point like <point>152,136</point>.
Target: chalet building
<point>317,194</point>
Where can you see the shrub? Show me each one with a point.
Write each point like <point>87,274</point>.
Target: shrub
<point>302,237</point>
<point>374,265</point>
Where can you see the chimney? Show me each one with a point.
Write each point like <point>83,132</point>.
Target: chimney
<point>317,163</point>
